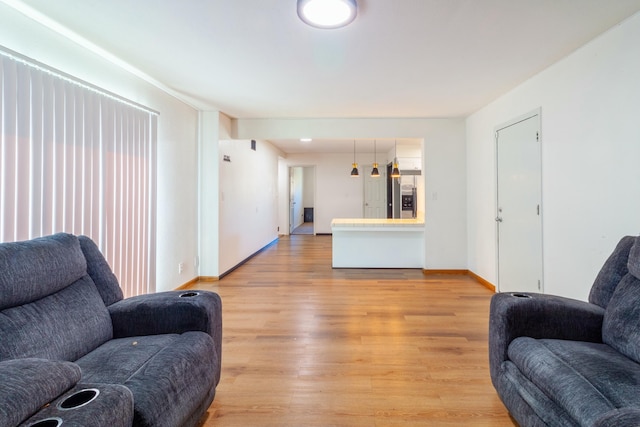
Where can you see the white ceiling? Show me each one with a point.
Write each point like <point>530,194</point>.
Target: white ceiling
<point>400,58</point>
<point>293,146</point>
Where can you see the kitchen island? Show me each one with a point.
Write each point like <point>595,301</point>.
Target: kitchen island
<point>377,243</point>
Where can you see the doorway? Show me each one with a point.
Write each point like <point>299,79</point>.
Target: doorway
<point>519,205</point>
<point>301,199</point>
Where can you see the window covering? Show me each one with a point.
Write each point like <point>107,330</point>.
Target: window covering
<point>77,159</point>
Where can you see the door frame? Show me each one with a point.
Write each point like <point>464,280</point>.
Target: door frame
<point>514,121</point>
<point>314,189</point>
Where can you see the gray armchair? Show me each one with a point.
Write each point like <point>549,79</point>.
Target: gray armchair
<point>556,361</point>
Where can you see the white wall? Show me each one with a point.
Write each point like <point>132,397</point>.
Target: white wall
<point>248,200</point>
<point>444,163</point>
<point>590,105</point>
<point>177,136</point>
<point>213,128</point>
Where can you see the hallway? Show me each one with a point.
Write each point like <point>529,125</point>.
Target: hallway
<point>304,228</point>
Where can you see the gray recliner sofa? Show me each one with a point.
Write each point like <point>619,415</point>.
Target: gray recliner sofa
<point>561,362</point>
<point>73,352</point>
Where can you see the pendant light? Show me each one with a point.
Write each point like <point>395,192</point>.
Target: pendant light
<point>395,173</point>
<point>354,171</point>
<point>374,172</point>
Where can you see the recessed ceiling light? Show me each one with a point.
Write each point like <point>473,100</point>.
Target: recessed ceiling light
<point>305,139</point>
<point>327,13</point>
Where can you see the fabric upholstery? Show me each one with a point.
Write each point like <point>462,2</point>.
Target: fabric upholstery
<point>587,379</point>
<point>195,418</point>
<point>621,327</point>
<point>100,272</point>
<point>633,264</point>
<point>118,359</point>
<point>112,407</point>
<point>560,362</point>
<point>540,316</point>
<point>529,405</point>
<point>174,382</point>
<point>170,313</point>
<point>167,313</point>
<point>59,303</point>
<point>619,417</point>
<point>63,326</point>
<point>613,270</point>
<point>34,269</point>
<point>28,384</point>
<point>167,374</point>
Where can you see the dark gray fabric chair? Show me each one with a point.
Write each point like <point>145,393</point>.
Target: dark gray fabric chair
<point>561,362</point>
<point>74,352</point>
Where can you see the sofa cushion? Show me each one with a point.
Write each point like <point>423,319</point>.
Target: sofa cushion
<point>586,379</point>
<point>527,403</point>
<point>36,268</point>
<point>613,270</point>
<point>63,326</point>
<point>29,384</point>
<point>167,374</point>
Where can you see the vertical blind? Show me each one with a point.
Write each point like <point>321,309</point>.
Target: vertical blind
<point>76,159</point>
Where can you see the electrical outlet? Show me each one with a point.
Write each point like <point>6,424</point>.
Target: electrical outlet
<point>180,267</point>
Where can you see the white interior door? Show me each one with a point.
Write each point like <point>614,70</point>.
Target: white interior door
<point>375,195</point>
<point>519,206</point>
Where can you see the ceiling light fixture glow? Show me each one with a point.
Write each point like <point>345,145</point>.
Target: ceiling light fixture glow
<point>327,13</point>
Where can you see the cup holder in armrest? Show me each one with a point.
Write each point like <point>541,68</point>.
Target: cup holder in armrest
<point>189,294</point>
<point>520,295</point>
<point>47,422</point>
<point>79,398</point>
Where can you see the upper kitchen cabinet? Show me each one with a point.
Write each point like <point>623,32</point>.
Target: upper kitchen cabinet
<point>410,165</point>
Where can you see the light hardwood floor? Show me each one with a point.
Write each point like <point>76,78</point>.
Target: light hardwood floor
<point>308,345</point>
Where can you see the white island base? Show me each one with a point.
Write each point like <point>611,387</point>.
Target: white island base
<point>377,243</point>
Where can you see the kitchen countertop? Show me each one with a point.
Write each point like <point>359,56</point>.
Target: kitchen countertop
<point>377,222</point>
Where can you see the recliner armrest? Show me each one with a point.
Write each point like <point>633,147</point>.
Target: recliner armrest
<point>29,384</point>
<point>172,312</point>
<point>533,315</point>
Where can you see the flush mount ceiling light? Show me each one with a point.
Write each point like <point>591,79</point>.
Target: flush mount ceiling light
<point>327,13</point>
